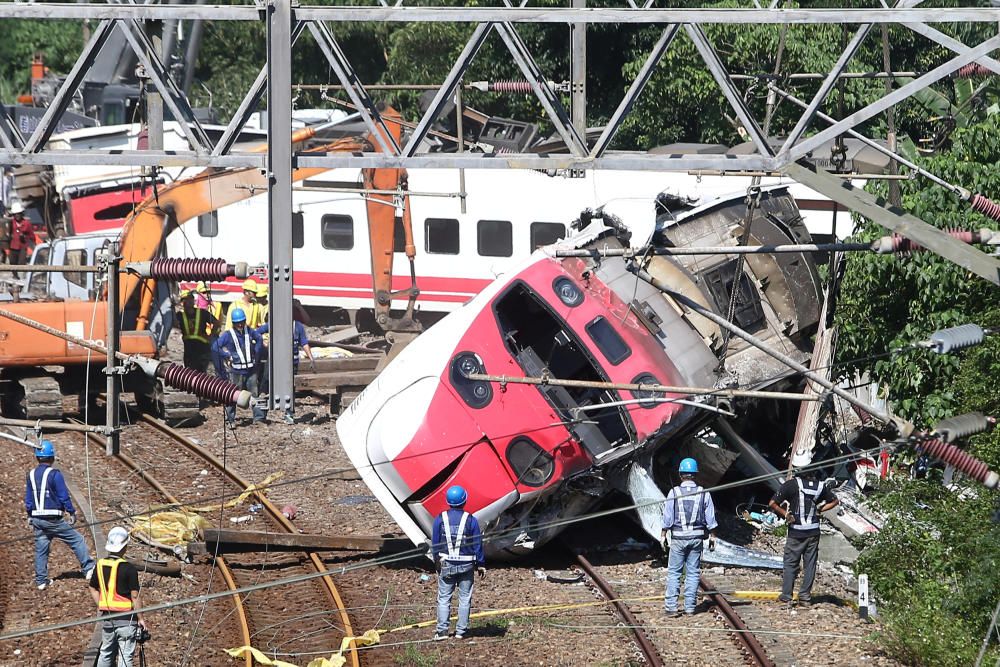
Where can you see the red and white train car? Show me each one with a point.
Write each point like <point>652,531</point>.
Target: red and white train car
<point>532,456</point>
<point>508,214</point>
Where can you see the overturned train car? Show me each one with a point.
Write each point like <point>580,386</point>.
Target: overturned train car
<point>532,456</point>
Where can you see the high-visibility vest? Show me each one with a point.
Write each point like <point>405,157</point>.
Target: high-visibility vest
<point>455,544</point>
<point>110,599</point>
<point>244,356</point>
<point>197,332</point>
<point>38,494</point>
<point>253,311</point>
<point>807,518</point>
<point>689,513</point>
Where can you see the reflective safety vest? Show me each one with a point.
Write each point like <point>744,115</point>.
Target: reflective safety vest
<point>38,494</point>
<point>807,518</point>
<point>455,544</point>
<point>689,514</point>
<point>197,332</point>
<point>244,356</point>
<point>110,599</point>
<point>253,311</point>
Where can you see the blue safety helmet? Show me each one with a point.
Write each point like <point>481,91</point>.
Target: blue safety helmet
<point>46,451</point>
<point>688,467</point>
<point>456,496</point>
<point>239,315</point>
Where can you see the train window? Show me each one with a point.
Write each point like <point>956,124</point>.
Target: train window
<point>748,313</point>
<point>545,233</point>
<point>608,340</point>
<point>298,230</point>
<point>40,279</point>
<point>441,236</point>
<point>208,224</point>
<point>76,258</point>
<point>494,238</point>
<point>532,464</point>
<point>337,232</point>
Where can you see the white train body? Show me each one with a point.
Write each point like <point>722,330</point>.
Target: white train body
<point>509,213</point>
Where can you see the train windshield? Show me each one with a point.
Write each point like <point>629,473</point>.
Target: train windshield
<point>540,341</point>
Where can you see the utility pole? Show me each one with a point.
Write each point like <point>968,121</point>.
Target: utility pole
<point>154,101</point>
<point>279,200</point>
<point>578,72</point>
<point>112,427</point>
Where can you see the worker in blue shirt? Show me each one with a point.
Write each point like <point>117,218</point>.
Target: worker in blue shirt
<point>688,517</point>
<point>300,341</point>
<point>240,348</point>
<point>47,501</point>
<point>457,550</point>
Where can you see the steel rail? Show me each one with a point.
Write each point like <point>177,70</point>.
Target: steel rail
<point>220,561</point>
<point>273,512</point>
<point>742,633</point>
<point>648,650</point>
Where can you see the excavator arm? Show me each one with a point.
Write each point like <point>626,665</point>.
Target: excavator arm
<point>184,200</point>
<point>388,202</point>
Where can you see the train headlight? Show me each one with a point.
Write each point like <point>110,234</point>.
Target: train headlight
<point>476,394</point>
<point>568,292</point>
<point>646,398</point>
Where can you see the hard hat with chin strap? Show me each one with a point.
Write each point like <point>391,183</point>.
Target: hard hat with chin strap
<point>456,496</point>
<point>250,285</point>
<point>239,316</point>
<point>688,467</point>
<point>46,451</point>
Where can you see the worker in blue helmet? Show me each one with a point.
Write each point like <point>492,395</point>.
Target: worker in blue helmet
<point>241,349</point>
<point>457,550</point>
<point>688,518</point>
<point>51,515</point>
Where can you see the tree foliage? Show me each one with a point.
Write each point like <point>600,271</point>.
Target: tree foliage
<point>935,564</point>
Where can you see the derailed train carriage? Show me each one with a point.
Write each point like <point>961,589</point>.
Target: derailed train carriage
<point>532,456</point>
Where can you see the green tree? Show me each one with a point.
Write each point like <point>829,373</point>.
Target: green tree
<point>934,566</point>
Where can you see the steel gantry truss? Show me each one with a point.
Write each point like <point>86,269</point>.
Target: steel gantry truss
<point>287,21</point>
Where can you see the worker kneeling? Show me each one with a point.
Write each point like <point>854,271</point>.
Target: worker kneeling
<point>458,552</point>
<point>115,588</point>
<point>688,515</point>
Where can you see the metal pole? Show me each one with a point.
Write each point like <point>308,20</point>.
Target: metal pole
<point>718,250</point>
<point>154,101</point>
<point>905,427</point>
<point>279,161</point>
<point>28,423</point>
<point>578,72</point>
<point>459,117</point>
<point>652,388</point>
<point>111,370</point>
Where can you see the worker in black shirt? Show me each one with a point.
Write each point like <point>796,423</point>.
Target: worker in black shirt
<point>799,502</point>
<point>114,585</point>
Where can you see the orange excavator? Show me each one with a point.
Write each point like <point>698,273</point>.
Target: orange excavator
<point>39,372</point>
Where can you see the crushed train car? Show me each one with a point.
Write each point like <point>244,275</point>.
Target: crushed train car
<point>532,456</point>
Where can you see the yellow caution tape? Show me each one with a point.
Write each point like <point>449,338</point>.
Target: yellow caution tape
<point>250,490</point>
<point>258,657</point>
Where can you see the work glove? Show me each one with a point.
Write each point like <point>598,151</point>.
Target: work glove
<point>71,519</point>
<point>437,566</point>
<point>30,525</point>
<point>482,572</point>
<point>312,365</point>
<point>665,541</point>
<point>711,542</point>
<point>789,518</point>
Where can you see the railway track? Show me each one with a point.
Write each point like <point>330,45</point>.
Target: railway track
<point>656,645</point>
<point>293,622</point>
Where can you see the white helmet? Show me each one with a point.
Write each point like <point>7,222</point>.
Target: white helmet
<point>117,540</point>
<point>801,458</point>
<point>16,207</point>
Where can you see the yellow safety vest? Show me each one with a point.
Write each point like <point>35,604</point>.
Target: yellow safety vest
<point>253,311</point>
<point>192,333</point>
<point>110,600</point>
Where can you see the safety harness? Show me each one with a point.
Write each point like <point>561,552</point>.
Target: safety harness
<point>245,361</point>
<point>689,512</point>
<point>807,519</point>
<point>110,599</point>
<point>195,333</point>
<point>454,545</point>
<point>38,493</point>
